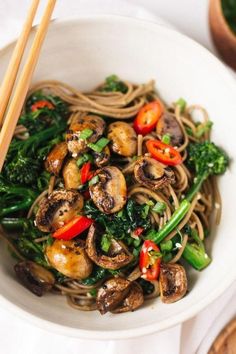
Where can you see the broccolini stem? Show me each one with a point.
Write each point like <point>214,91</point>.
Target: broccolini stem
<point>28,198</point>
<point>196,256</point>
<point>175,219</point>
<point>11,224</point>
<point>196,187</point>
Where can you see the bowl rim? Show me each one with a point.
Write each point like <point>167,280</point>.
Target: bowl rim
<point>48,325</point>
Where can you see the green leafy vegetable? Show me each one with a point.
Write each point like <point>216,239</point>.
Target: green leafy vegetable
<point>113,84</point>
<point>120,225</point>
<point>14,198</point>
<point>229,11</point>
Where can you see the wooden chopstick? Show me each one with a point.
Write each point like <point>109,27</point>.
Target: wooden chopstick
<point>13,67</point>
<point>22,87</point>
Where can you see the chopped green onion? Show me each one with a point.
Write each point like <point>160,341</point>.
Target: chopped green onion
<point>150,203</point>
<point>99,145</point>
<point>203,128</point>
<point>189,131</point>
<point>105,243</point>
<point>93,292</point>
<point>94,180</point>
<point>137,242</point>
<point>166,246</point>
<point>159,207</point>
<point>166,139</point>
<point>85,134</point>
<point>145,211</point>
<point>84,158</point>
<point>182,104</point>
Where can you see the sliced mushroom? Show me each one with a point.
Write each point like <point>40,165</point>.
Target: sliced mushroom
<point>168,124</point>
<point>118,255</point>
<point>34,277</point>
<point>55,158</point>
<point>57,209</point>
<point>69,258</point>
<point>112,293</point>
<point>78,124</point>
<point>123,138</point>
<point>173,282</point>
<point>132,301</point>
<point>102,158</point>
<point>152,174</point>
<point>110,192</point>
<point>71,175</point>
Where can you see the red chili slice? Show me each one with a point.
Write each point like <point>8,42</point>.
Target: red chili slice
<point>147,118</point>
<point>163,152</point>
<point>74,227</point>
<point>150,260</point>
<point>41,104</point>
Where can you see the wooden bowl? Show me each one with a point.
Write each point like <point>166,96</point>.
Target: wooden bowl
<point>223,37</point>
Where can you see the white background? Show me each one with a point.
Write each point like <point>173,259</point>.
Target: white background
<point>20,337</point>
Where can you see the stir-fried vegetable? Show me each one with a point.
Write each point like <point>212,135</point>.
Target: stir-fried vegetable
<point>150,260</point>
<point>73,228</point>
<point>207,159</point>
<point>163,152</point>
<point>147,118</point>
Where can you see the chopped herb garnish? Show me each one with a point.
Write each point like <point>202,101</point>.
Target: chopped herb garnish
<point>159,207</point>
<point>85,134</point>
<point>182,104</point>
<point>166,246</point>
<point>93,292</point>
<point>105,242</point>
<point>84,158</point>
<point>166,139</point>
<point>94,180</point>
<point>99,145</point>
<point>203,128</point>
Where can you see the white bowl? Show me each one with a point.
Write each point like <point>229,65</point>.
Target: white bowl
<point>82,53</point>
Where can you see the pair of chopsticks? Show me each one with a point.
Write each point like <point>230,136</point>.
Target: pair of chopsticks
<point>11,103</point>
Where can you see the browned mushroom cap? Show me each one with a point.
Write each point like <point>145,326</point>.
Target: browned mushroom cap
<point>57,209</point>
<point>110,192</point>
<point>132,301</point>
<point>69,258</point>
<point>34,277</point>
<point>152,174</point>
<point>168,124</point>
<point>55,158</point>
<point>71,175</point>
<point>112,293</point>
<point>78,124</point>
<point>123,139</point>
<point>173,282</point>
<point>118,255</point>
<point>102,158</point>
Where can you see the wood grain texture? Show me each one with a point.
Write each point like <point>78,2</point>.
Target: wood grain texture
<point>225,343</point>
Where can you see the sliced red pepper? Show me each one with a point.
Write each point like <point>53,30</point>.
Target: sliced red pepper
<point>74,227</point>
<point>41,104</point>
<point>147,118</point>
<point>163,152</point>
<point>138,231</point>
<point>85,173</point>
<point>150,260</point>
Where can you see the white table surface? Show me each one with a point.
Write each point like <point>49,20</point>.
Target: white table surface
<point>18,336</point>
